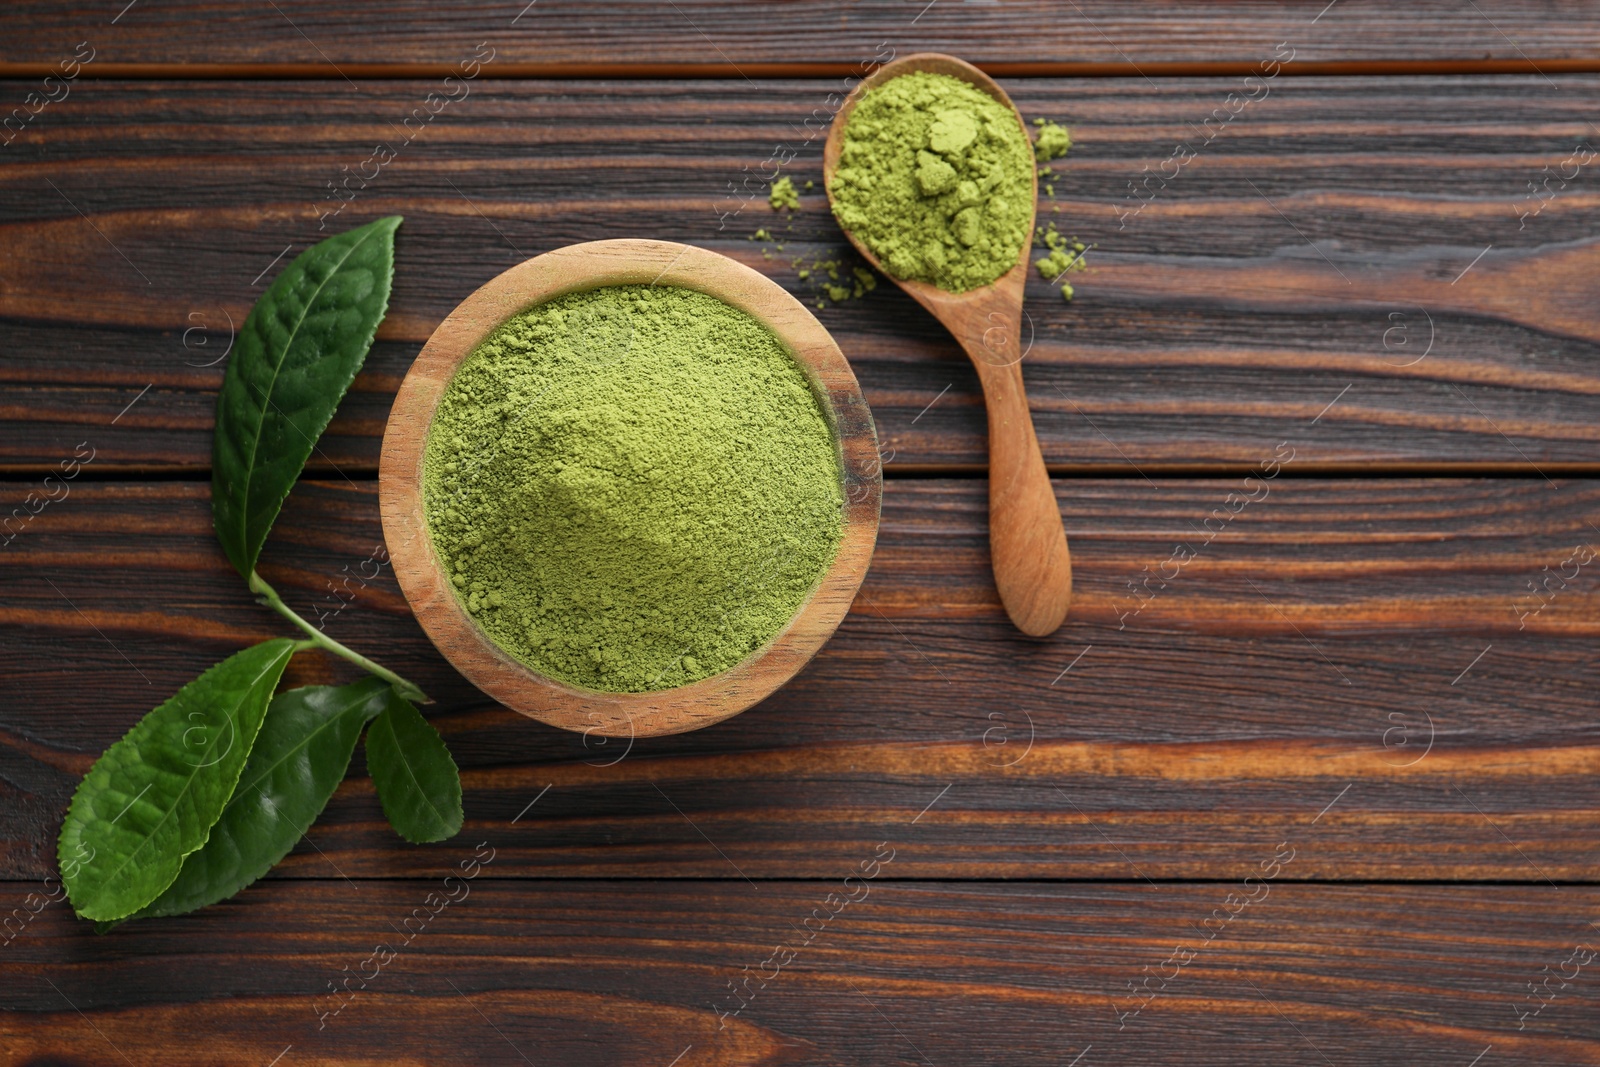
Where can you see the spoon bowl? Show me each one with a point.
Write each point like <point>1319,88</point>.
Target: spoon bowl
<point>1027,542</point>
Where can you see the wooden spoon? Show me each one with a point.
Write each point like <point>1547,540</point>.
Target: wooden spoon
<point>1027,543</point>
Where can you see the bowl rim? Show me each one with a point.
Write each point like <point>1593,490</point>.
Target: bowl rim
<point>433,600</point>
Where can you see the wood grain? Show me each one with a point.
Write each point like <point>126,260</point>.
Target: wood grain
<point>1327,633</point>
<point>701,36</point>
<point>978,974</point>
<point>1027,545</point>
<point>1207,331</point>
<point>1390,679</point>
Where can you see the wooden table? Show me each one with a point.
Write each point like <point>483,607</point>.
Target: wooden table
<point>1309,777</point>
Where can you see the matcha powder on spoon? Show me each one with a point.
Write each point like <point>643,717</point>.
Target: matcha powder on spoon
<point>632,487</point>
<point>935,176</point>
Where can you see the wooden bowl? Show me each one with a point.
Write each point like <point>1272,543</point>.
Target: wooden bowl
<point>422,577</point>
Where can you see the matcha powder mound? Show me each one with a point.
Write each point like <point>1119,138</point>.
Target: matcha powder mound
<point>633,488</point>
<point>936,177</point>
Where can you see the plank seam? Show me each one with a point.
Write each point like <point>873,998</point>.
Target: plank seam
<point>725,71</point>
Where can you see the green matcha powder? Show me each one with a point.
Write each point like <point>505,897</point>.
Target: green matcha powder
<point>633,487</point>
<point>936,178</point>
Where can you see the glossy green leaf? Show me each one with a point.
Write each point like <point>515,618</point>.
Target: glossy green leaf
<point>151,799</point>
<point>300,756</point>
<point>296,355</point>
<point>417,781</point>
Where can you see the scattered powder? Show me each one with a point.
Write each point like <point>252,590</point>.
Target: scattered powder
<point>1065,256</point>
<point>833,280</point>
<point>1052,142</point>
<point>633,487</point>
<point>783,195</point>
<point>827,279</point>
<point>934,177</point>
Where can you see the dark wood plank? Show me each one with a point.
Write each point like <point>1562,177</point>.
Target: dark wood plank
<point>1305,650</point>
<point>698,34</point>
<point>1208,332</point>
<point>640,973</point>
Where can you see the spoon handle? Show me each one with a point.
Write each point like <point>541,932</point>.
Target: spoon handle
<point>1027,543</point>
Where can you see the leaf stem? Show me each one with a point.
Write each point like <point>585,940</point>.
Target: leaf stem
<point>269,597</point>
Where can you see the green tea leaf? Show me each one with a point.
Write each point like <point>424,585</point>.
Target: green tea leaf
<point>417,780</point>
<point>300,756</point>
<point>296,355</point>
<point>153,796</point>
